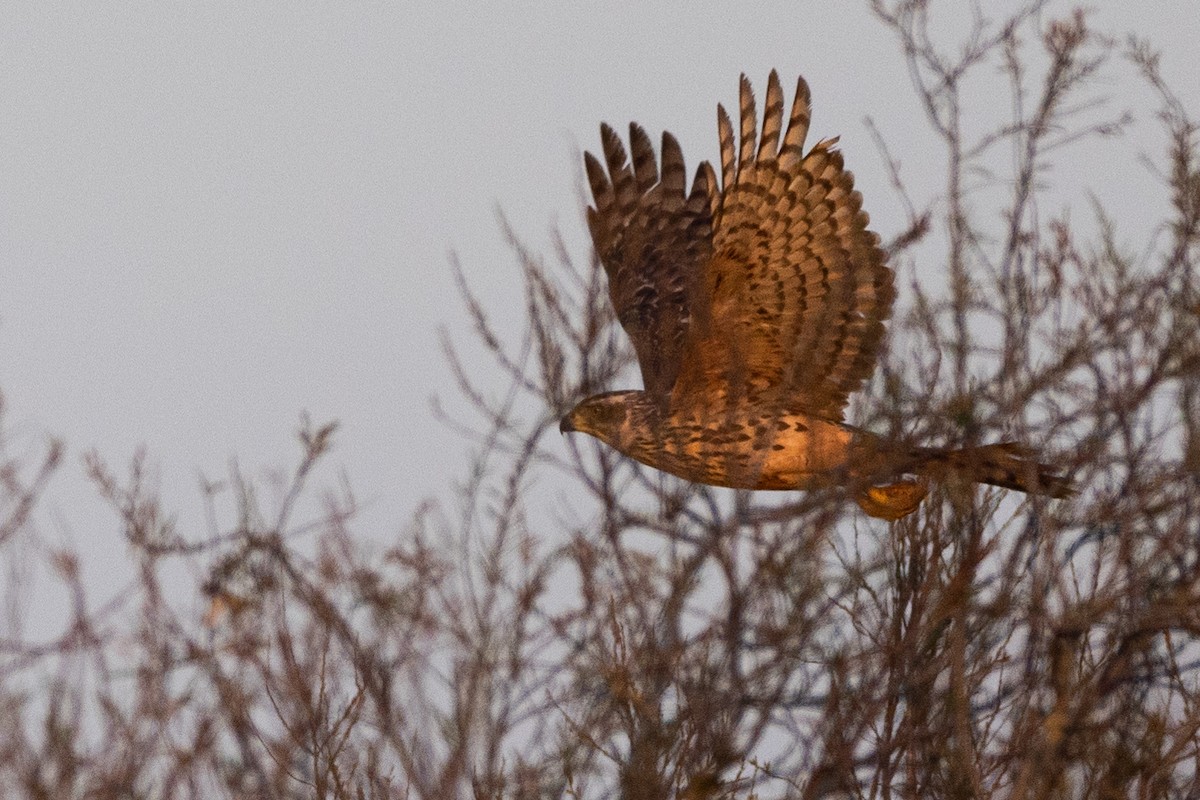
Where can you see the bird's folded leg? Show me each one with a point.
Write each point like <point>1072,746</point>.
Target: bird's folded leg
<point>893,500</point>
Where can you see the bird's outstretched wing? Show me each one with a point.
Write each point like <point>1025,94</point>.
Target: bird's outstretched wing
<point>791,304</point>
<point>653,238</point>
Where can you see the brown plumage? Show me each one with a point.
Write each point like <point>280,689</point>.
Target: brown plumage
<point>756,306</point>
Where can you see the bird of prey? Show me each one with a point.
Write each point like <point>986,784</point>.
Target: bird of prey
<point>756,306</point>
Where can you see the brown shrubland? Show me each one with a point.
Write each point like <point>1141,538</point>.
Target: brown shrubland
<point>573,625</point>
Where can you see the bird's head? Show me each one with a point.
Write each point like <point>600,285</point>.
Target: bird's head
<point>612,417</point>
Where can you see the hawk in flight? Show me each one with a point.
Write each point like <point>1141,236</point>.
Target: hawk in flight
<point>756,306</point>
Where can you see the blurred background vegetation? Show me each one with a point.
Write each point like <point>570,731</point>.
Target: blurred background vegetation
<point>577,626</point>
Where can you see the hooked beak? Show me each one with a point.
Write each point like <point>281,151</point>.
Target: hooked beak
<point>565,425</point>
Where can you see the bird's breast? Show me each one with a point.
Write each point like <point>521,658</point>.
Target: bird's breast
<point>744,449</point>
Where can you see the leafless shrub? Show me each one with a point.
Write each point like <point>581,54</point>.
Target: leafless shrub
<point>580,627</point>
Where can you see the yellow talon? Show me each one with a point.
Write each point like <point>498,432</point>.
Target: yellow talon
<point>892,501</point>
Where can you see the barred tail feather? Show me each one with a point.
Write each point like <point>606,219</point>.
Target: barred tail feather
<point>1007,464</point>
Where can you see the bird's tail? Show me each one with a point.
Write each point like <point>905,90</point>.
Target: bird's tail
<point>1006,464</point>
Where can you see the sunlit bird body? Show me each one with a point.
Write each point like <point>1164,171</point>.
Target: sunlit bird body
<point>756,306</point>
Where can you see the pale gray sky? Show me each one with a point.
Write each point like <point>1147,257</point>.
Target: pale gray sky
<point>215,216</point>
